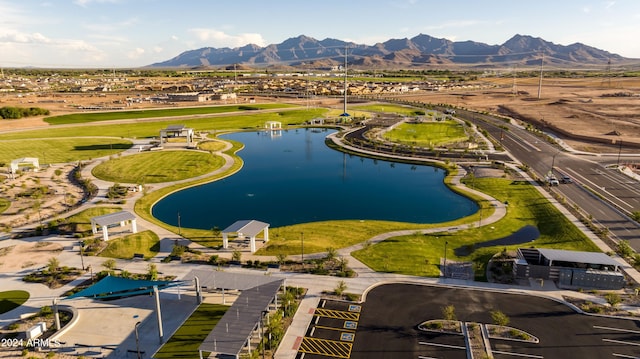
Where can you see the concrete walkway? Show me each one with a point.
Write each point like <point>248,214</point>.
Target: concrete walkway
<point>315,285</point>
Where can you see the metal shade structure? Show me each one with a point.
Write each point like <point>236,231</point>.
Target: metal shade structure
<point>118,287</point>
<point>234,330</point>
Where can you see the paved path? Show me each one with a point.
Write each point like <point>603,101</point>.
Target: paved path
<point>316,285</point>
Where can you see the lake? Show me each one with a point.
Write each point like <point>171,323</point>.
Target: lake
<point>295,178</point>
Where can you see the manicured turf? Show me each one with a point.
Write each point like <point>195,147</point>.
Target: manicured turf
<point>60,150</point>
<point>12,299</point>
<point>204,237</point>
<point>156,167</point>
<point>185,341</point>
<point>4,204</point>
<point>81,222</point>
<point>428,134</point>
<point>212,146</point>
<point>420,254</point>
<point>149,129</point>
<point>125,115</point>
<point>390,108</point>
<point>146,243</point>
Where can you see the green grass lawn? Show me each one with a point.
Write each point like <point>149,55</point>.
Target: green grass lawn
<point>157,167</point>
<point>420,254</point>
<point>60,150</point>
<point>427,134</point>
<point>81,222</point>
<point>145,242</point>
<point>4,204</point>
<point>212,146</point>
<point>205,237</point>
<point>185,341</point>
<point>12,299</point>
<point>126,115</point>
<point>148,129</point>
<point>390,108</point>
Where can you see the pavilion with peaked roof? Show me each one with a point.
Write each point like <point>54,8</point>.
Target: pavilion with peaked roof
<point>177,131</point>
<point>110,219</point>
<point>246,229</point>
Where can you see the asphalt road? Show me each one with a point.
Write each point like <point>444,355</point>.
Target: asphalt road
<point>607,195</point>
<point>389,318</point>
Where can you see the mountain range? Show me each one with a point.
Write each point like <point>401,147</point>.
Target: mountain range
<point>421,51</point>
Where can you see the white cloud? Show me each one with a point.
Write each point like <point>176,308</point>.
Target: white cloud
<point>158,49</point>
<point>85,3</point>
<point>24,38</point>
<point>136,53</point>
<point>217,38</point>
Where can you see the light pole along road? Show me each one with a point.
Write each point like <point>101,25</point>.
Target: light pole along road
<point>605,194</point>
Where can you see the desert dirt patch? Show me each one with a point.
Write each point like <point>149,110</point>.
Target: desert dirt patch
<point>36,196</point>
<point>27,255</point>
<point>597,108</point>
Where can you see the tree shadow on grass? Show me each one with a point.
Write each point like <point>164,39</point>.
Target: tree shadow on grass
<point>104,146</point>
<point>524,235</point>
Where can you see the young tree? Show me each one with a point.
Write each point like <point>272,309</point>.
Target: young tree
<point>152,274</point>
<point>236,255</point>
<point>340,288</point>
<point>499,318</point>
<point>449,312</point>
<point>110,264</point>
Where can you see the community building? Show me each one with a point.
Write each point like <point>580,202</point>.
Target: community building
<point>571,269</point>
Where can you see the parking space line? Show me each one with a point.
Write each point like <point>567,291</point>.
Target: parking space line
<point>624,356</point>
<point>518,354</point>
<point>336,329</point>
<point>443,345</point>
<point>620,342</point>
<point>617,329</point>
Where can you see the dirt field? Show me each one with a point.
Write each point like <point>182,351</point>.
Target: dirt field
<point>603,109</point>
<point>27,255</point>
<point>56,194</point>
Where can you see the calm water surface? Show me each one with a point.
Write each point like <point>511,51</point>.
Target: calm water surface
<point>295,178</point>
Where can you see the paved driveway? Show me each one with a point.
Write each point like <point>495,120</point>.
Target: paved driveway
<point>387,326</point>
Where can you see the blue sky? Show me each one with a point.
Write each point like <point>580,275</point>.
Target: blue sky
<point>132,33</point>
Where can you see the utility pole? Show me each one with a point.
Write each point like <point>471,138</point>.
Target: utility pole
<point>346,49</point>
<point>541,70</point>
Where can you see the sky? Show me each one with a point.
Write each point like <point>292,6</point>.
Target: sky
<point>134,33</point>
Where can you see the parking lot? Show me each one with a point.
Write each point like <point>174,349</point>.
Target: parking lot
<point>385,326</point>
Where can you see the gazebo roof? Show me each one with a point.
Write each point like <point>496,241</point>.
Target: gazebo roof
<point>113,218</point>
<point>248,227</point>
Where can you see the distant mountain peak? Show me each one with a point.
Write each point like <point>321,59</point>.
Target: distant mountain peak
<point>420,51</point>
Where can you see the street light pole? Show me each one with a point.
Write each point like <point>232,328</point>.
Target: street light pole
<point>138,341</point>
<point>302,248</point>
<point>553,162</point>
<point>179,227</point>
<point>445,259</point>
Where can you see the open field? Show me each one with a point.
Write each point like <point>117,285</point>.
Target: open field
<point>157,167</point>
<point>11,299</point>
<point>61,150</point>
<point>593,107</point>
<point>389,108</point>
<point>170,112</point>
<point>185,341</point>
<point>428,134</point>
<point>420,254</point>
<point>150,129</point>
<point>146,243</point>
